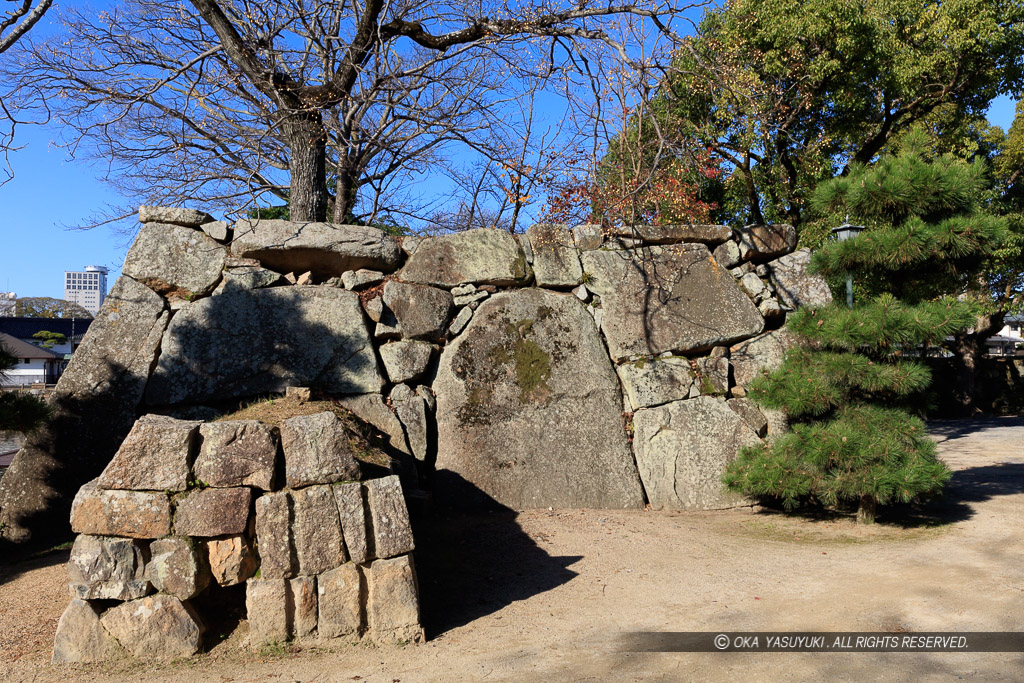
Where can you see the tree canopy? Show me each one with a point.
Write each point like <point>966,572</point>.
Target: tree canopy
<point>47,307</point>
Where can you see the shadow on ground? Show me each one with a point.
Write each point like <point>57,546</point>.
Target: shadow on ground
<point>47,558</point>
<point>948,430</point>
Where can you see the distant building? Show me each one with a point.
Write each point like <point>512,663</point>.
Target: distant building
<point>25,329</point>
<point>7,301</point>
<point>35,364</point>
<point>1009,339</point>
<point>87,288</point>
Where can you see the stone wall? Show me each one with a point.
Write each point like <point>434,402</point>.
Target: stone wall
<point>188,514</point>
<point>562,367</point>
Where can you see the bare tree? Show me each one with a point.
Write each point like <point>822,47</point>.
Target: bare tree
<point>331,106</point>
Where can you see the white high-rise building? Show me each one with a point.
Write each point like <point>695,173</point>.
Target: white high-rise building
<point>86,288</point>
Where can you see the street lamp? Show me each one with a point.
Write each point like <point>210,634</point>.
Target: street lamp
<point>842,233</point>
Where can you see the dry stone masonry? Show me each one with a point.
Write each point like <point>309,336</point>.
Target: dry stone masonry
<point>321,555</point>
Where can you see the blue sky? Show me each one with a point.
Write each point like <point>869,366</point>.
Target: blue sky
<point>50,193</point>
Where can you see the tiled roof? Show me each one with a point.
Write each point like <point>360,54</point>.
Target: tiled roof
<point>24,328</point>
<point>21,350</point>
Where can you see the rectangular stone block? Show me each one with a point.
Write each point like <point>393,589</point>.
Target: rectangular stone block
<point>392,604</point>
<point>340,602</point>
<point>237,453</point>
<point>268,611</point>
<point>303,600</point>
<point>317,450</point>
<point>134,514</point>
<point>389,517</point>
<point>316,530</point>
<point>81,637</point>
<point>177,568</point>
<point>231,559</point>
<point>273,536</point>
<point>155,456</point>
<point>213,512</point>
<point>351,510</point>
<point>105,568</point>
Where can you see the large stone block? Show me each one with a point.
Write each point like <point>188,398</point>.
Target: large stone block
<point>372,409</point>
<point>156,627</point>
<point>213,512</point>
<point>175,215</point>
<point>171,259</point>
<point>351,510</point>
<point>529,409</point>
<point>479,256</point>
<point>81,637</point>
<point>389,517</point>
<point>156,455</point>
<point>392,604</point>
<point>406,360</point>
<point>673,234</point>
<point>556,262</point>
<point>760,355</point>
<point>134,514</point>
<point>326,249</point>
<point>107,568</point>
<point>94,408</point>
<point>316,530</point>
<point>412,411</point>
<point>303,603</point>
<point>176,568</point>
<point>794,285</point>
<point>340,602</point>
<point>654,381</point>
<point>237,453</point>
<point>317,450</point>
<point>420,312</point>
<point>244,343</point>
<point>273,534</point>
<point>668,299</point>
<point>268,611</point>
<point>682,449</point>
<point>231,560</point>
<point>764,242</point>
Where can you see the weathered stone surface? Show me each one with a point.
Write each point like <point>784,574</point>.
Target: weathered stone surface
<point>713,375</point>
<point>317,450</point>
<point>392,603</point>
<point>156,627</point>
<point>325,248</point>
<point>794,285</point>
<point>154,456</point>
<point>134,514</point>
<point>420,312</point>
<point>273,534</point>
<point>406,360</point>
<point>303,602</point>
<point>357,279</point>
<point>171,258</point>
<point>105,568</point>
<point>352,511</point>
<point>770,309</point>
<point>750,413</point>
<point>81,637</point>
<point>340,602</point>
<point>682,449</point>
<point>588,237</point>
<point>468,299</point>
<point>727,254</point>
<point>251,277</point>
<point>374,308</point>
<point>410,243</point>
<point>268,611</point>
<point>176,568</point>
<point>237,453</point>
<point>524,244</point>
<point>218,230</point>
<point>316,530</point>
<point>752,285</point>
<point>477,256</point>
<point>371,408</point>
<point>752,358</point>
<point>412,412</point>
<point>652,382</point>
<point>556,263</point>
<point>94,408</point>
<point>213,512</point>
<point>668,299</point>
<point>673,234</point>
<point>765,242</point>
<point>528,409</point>
<point>173,215</point>
<point>460,322</point>
<point>389,517</point>
<point>231,560</point>
<point>245,343</point>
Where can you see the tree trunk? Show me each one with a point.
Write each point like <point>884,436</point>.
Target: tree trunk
<point>345,194</point>
<point>306,137</point>
<point>968,348</point>
<point>866,511</point>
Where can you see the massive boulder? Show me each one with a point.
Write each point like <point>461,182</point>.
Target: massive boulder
<point>171,259</point>
<point>243,343</point>
<point>682,449</point>
<point>94,407</point>
<point>480,256</point>
<point>668,299</point>
<point>674,234</point>
<point>528,408</point>
<point>325,249</point>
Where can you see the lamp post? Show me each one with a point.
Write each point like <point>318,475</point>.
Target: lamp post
<point>842,233</point>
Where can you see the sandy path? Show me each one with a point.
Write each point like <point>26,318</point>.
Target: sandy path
<point>545,595</point>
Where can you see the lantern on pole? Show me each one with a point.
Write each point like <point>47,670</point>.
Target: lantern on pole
<point>842,233</point>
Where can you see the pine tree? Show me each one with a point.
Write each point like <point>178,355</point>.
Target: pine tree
<point>852,384</point>
<point>19,412</point>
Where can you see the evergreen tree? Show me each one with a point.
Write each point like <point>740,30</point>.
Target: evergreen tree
<point>850,386</point>
<point>19,412</point>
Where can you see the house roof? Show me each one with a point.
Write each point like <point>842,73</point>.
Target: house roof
<point>22,350</point>
<point>24,328</point>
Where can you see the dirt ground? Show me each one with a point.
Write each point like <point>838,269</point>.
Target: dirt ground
<point>546,595</point>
